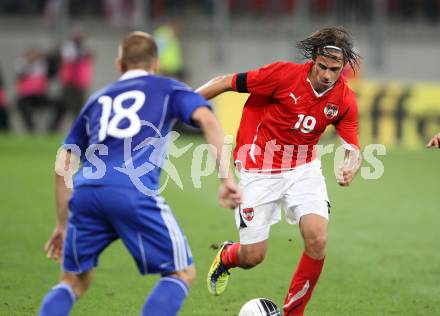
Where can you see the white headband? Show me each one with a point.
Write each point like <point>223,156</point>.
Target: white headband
<point>333,47</point>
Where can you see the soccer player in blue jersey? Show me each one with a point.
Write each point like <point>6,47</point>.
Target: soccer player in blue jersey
<point>118,137</point>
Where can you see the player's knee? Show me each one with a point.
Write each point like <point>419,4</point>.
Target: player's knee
<point>188,275</point>
<point>316,245</point>
<point>251,260</point>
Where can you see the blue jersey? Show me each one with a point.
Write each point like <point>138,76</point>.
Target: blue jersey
<point>121,133</point>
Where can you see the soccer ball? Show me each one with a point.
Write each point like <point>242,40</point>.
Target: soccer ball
<point>260,307</point>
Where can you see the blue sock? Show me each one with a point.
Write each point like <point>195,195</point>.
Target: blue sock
<point>167,298</point>
<point>59,301</point>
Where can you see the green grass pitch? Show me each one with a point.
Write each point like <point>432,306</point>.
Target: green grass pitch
<point>383,252</point>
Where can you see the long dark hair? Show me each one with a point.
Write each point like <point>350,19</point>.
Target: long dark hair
<point>339,37</point>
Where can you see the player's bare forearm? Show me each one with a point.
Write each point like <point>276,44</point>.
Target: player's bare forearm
<point>214,135</point>
<point>229,193</point>
<point>63,191</point>
<point>54,246</point>
<point>216,86</point>
<point>62,196</point>
<point>349,168</point>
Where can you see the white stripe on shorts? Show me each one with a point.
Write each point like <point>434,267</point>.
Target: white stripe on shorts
<point>180,242</point>
<point>75,253</point>
<point>141,248</point>
<point>176,237</point>
<point>177,240</point>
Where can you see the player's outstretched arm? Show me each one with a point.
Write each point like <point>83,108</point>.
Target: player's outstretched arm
<point>229,195</point>
<point>434,142</point>
<point>63,192</point>
<point>216,86</point>
<point>349,168</point>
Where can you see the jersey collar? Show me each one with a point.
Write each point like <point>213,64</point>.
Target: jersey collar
<point>317,94</point>
<point>133,74</point>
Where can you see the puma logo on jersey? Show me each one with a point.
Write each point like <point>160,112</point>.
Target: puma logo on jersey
<point>294,98</point>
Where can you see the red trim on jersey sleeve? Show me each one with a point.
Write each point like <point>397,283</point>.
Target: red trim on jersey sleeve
<point>347,127</point>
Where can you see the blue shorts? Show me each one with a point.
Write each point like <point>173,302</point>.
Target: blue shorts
<point>99,215</point>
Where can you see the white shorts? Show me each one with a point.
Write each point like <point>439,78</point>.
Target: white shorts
<point>299,192</point>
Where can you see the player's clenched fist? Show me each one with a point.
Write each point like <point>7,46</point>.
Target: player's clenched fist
<point>434,142</point>
<point>229,193</point>
<point>349,168</point>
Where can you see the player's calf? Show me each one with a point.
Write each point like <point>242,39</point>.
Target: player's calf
<point>167,297</point>
<point>80,283</point>
<point>58,301</point>
<point>301,287</point>
<point>251,260</point>
<point>252,255</point>
<point>314,231</point>
<point>61,298</point>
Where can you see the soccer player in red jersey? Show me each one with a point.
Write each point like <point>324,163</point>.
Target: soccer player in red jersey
<point>289,107</point>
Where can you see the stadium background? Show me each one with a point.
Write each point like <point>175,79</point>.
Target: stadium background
<point>382,257</point>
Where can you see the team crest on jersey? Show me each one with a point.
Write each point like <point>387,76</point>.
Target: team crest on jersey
<point>331,110</point>
<point>248,213</point>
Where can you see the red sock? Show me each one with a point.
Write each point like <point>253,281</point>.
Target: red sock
<point>230,256</point>
<point>303,282</point>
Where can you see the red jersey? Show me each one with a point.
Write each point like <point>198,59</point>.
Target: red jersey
<point>284,117</point>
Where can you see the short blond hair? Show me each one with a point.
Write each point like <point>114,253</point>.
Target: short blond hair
<point>138,50</point>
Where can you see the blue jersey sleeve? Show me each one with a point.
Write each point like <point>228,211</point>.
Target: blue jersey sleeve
<point>78,133</point>
<point>185,102</point>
